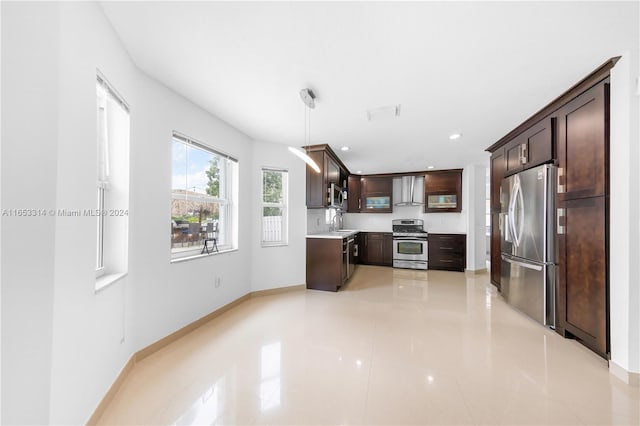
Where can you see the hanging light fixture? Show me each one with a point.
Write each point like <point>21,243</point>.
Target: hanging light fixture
<point>308,98</point>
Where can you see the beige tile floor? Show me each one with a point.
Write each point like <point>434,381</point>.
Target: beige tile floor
<point>393,347</point>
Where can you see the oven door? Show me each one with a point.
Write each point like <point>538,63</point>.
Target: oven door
<point>410,248</point>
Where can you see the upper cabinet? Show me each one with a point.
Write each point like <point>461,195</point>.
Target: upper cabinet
<point>331,171</point>
<point>354,202</point>
<point>443,191</point>
<point>376,194</point>
<point>533,147</point>
<point>582,147</point>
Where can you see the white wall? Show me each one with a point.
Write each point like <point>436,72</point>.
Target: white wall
<point>624,223</point>
<point>476,183</point>
<point>168,295</point>
<point>29,105</point>
<point>284,266</point>
<point>64,344</point>
<point>91,334</point>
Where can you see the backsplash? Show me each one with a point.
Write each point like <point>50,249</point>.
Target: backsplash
<point>321,220</point>
<point>433,222</point>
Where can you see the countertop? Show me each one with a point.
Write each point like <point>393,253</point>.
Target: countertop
<point>343,233</point>
<point>447,232</point>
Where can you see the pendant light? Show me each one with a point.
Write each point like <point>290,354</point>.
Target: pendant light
<point>308,98</point>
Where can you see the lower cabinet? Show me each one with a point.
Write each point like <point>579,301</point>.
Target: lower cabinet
<point>582,307</point>
<point>330,262</point>
<point>376,248</point>
<point>448,252</point>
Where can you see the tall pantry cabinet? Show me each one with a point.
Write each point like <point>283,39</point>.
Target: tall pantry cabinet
<point>582,215</point>
<point>578,122</point>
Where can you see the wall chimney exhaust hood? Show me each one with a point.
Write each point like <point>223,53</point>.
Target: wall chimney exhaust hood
<point>409,196</point>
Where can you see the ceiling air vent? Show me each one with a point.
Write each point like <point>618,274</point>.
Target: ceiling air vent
<point>382,113</point>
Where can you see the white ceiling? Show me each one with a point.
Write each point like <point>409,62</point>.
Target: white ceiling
<point>480,68</point>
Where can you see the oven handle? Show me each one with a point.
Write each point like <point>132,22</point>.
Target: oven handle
<point>409,239</point>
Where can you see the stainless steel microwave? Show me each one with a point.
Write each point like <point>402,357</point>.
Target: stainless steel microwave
<point>336,197</point>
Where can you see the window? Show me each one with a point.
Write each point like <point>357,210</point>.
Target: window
<point>203,197</point>
<point>274,207</point>
<point>112,189</point>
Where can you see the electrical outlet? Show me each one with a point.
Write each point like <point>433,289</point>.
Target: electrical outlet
<point>217,281</point>
<point>317,221</point>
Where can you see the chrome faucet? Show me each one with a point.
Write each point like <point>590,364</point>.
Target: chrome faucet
<point>336,221</point>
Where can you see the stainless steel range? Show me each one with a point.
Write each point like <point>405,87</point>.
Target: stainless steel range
<point>409,244</point>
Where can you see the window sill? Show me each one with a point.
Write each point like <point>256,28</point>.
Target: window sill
<point>282,244</point>
<point>106,280</point>
<point>198,256</point>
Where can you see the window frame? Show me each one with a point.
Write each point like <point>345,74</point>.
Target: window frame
<point>226,200</point>
<point>284,205</point>
<point>112,190</point>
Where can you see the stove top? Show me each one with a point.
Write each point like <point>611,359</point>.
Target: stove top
<point>422,234</point>
<point>408,228</point>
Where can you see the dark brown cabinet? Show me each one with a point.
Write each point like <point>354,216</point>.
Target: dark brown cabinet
<point>583,143</point>
<point>387,249</point>
<point>331,171</point>
<point>324,264</point>
<point>316,182</point>
<point>448,252</point>
<point>443,191</point>
<point>498,167</point>
<point>353,194</point>
<point>330,262</point>
<point>376,194</point>
<point>582,270</point>
<point>376,248</point>
<point>531,148</point>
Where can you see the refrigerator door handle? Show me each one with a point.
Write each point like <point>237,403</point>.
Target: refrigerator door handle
<point>510,210</point>
<point>520,202</point>
<point>516,196</point>
<point>523,264</point>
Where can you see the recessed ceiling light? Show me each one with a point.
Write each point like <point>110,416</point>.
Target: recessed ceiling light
<point>345,148</point>
<point>431,167</point>
<point>359,172</point>
<point>455,136</point>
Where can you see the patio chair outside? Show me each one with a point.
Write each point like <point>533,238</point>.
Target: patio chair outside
<point>211,236</point>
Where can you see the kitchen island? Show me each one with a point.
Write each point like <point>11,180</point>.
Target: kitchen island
<point>331,259</point>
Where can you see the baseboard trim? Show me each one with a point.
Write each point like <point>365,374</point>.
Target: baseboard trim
<point>111,393</point>
<point>629,377</point>
<point>167,340</point>
<point>279,290</point>
<point>477,271</point>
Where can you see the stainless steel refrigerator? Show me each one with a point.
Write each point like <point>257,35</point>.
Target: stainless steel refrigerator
<point>527,226</point>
